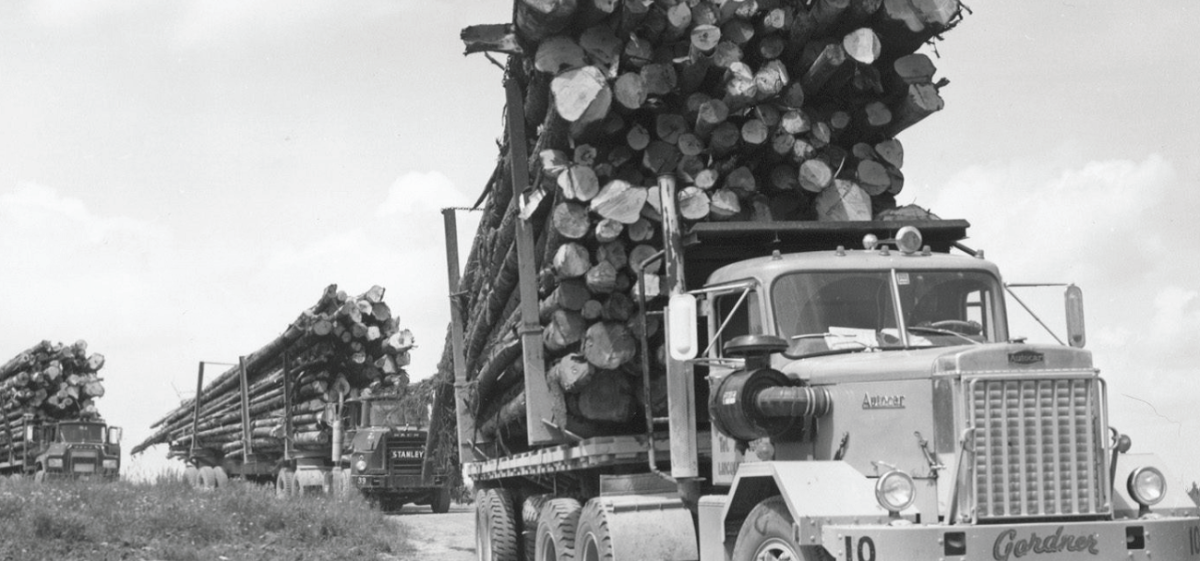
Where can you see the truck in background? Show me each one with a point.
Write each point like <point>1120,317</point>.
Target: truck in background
<point>387,455</point>
<point>49,449</point>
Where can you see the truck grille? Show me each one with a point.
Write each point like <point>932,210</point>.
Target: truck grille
<point>406,453</point>
<point>1038,448</point>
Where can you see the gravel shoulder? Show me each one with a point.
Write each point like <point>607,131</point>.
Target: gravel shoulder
<point>446,537</point>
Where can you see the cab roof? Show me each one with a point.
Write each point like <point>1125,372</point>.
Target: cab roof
<point>708,246</point>
<point>766,269</point>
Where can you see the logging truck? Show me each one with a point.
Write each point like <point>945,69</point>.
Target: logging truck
<point>372,445</point>
<point>387,457</point>
<point>53,449</point>
<point>845,390</point>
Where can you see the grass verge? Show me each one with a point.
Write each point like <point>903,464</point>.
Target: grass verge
<point>167,520</point>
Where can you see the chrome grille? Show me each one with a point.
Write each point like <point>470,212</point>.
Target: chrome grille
<point>1038,448</point>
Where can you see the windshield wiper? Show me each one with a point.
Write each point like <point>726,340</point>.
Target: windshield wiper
<point>939,331</point>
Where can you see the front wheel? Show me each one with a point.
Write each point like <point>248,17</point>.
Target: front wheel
<point>441,501</point>
<point>767,534</point>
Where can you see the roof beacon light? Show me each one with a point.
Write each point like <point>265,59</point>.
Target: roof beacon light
<point>870,241</point>
<point>908,240</point>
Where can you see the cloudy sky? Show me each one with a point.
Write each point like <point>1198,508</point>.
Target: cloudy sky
<point>178,180</point>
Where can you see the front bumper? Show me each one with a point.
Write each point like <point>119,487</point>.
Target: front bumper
<point>401,482</point>
<point>1158,540</point>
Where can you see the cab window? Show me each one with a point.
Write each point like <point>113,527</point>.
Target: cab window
<point>739,312</point>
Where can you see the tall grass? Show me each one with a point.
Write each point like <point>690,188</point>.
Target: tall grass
<point>168,520</point>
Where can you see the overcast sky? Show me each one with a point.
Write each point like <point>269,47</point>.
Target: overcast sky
<point>178,180</point>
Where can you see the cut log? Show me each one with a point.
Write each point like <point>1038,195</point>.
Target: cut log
<point>873,177</point>
<point>891,151</point>
<point>573,372</point>
<point>922,101</point>
<point>862,45</point>
<point>608,345</point>
<point>575,90</point>
<point>620,201</point>
<point>565,328</point>
<point>843,201</point>
<point>607,398</point>
<point>570,294</point>
<point>693,203</point>
<point>602,278</point>
<point>571,261</point>
<point>558,54</point>
<point>832,57</point>
<point>571,220</point>
<point>538,19</point>
<point>630,90</point>
<point>815,175</point>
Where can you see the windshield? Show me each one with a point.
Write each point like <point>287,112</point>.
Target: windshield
<point>821,312</point>
<point>385,414</point>
<point>81,433</point>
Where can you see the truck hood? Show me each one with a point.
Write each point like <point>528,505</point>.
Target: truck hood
<point>938,361</point>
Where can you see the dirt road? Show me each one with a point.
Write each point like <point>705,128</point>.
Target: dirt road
<point>445,537</point>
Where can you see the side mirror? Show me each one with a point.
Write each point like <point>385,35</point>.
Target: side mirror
<point>681,327</point>
<point>114,435</point>
<point>1076,336</point>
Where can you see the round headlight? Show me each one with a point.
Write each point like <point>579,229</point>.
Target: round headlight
<point>895,491</point>
<point>1147,485</point>
<point>360,465</point>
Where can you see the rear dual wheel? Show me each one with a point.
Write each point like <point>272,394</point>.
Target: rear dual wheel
<point>211,477</point>
<point>495,526</point>
<point>593,541</point>
<point>285,484</point>
<point>556,527</point>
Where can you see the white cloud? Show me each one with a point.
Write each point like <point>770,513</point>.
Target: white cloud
<point>418,192</point>
<point>1114,228</point>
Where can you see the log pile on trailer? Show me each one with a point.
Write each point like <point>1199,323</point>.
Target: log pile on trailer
<point>50,381</point>
<point>343,345</point>
<point>762,110</point>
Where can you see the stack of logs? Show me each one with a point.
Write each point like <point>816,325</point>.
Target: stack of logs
<point>49,381</point>
<point>341,347</point>
<point>763,110</point>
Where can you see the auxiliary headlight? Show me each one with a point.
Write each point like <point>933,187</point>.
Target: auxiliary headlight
<point>54,462</point>
<point>895,491</point>
<point>110,464</point>
<point>360,465</point>
<point>1147,485</point>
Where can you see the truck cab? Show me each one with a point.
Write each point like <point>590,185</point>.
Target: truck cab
<point>874,399</point>
<point>387,455</point>
<point>72,449</point>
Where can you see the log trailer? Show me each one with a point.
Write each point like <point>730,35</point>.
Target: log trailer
<point>843,391</point>
<point>371,447</point>
<point>53,449</point>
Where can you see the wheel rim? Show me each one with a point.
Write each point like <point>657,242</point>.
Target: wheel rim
<point>776,549</point>
<point>549,552</point>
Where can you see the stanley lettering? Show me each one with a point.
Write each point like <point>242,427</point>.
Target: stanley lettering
<point>1008,545</point>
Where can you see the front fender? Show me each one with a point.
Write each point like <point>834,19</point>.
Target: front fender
<point>817,493</point>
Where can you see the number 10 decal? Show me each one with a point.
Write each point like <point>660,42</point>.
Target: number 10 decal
<point>866,549</point>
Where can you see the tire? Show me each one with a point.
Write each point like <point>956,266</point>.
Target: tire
<point>593,541</point>
<point>767,533</point>
<point>441,501</point>
<point>221,478</point>
<point>556,527</point>
<point>495,526</point>
<point>530,510</point>
<point>285,484</point>
<point>208,481</point>
<point>191,476</point>
<point>341,483</point>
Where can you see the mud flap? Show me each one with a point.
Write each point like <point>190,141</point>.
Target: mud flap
<point>650,527</point>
